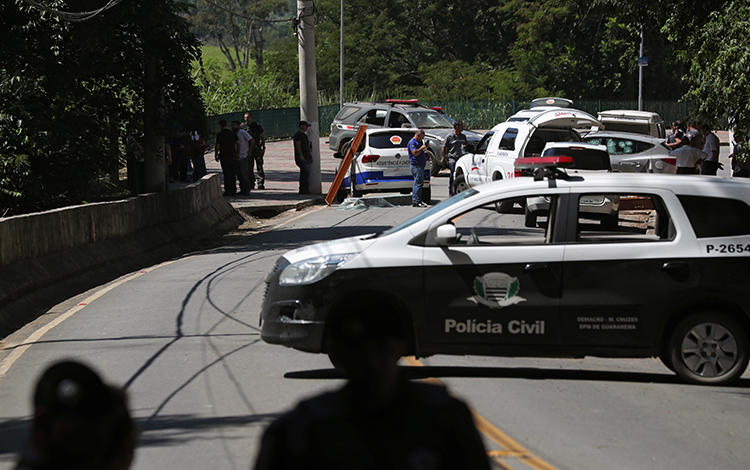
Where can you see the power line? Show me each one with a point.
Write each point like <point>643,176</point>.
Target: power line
<point>71,15</point>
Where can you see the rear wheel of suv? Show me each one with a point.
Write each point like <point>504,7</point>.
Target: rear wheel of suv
<point>708,348</point>
<point>459,184</point>
<point>435,166</point>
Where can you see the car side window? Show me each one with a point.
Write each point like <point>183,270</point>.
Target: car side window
<point>622,218</point>
<point>397,119</point>
<point>484,145</point>
<point>717,216</point>
<point>375,117</point>
<point>508,141</point>
<point>503,223</point>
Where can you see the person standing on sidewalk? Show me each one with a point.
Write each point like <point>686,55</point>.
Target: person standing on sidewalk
<point>303,156</point>
<point>453,150</point>
<point>197,150</point>
<point>227,149</point>
<point>244,141</point>
<point>417,162</point>
<point>257,150</point>
<point>710,148</point>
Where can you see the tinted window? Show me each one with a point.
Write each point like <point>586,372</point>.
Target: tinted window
<point>375,116</point>
<point>622,218</point>
<point>397,119</point>
<point>390,140</point>
<point>488,225</point>
<point>345,112</point>
<point>508,141</point>
<point>585,158</point>
<point>716,216</point>
<point>485,143</point>
<point>628,127</point>
<point>540,137</point>
<point>429,120</point>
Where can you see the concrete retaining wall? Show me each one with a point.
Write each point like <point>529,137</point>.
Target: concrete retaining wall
<point>41,248</point>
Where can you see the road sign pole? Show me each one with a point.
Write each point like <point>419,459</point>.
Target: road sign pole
<point>640,76</point>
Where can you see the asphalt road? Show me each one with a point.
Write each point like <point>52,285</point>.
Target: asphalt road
<point>183,339</point>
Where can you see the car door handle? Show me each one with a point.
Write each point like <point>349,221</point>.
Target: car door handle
<point>674,266</point>
<point>531,267</point>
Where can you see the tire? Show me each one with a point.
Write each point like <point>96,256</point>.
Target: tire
<point>529,218</point>
<point>435,165</point>
<point>708,348</point>
<point>426,195</point>
<point>459,184</point>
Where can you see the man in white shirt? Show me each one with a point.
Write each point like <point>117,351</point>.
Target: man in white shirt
<point>688,156</point>
<point>710,148</point>
<point>243,140</point>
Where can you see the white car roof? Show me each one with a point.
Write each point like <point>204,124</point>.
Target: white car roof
<point>380,130</point>
<point>696,185</point>
<point>628,114</point>
<point>626,135</point>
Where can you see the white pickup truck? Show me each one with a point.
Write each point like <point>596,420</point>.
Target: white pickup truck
<point>523,135</point>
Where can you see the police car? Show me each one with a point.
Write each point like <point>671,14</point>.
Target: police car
<point>669,280</point>
<point>381,164</point>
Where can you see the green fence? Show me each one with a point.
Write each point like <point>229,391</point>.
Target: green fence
<point>282,123</point>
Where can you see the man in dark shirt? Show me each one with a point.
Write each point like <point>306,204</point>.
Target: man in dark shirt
<point>227,153</point>
<point>257,150</point>
<point>303,156</point>
<point>379,419</point>
<point>417,162</point>
<point>453,150</point>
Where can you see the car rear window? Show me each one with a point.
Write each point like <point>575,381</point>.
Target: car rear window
<point>585,158</point>
<point>619,146</point>
<point>390,140</point>
<point>717,216</point>
<point>345,112</point>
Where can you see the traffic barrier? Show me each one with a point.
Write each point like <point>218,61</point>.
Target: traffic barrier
<point>40,249</point>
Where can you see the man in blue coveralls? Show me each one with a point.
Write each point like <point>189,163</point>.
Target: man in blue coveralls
<point>417,161</point>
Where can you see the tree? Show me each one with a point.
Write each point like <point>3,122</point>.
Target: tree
<point>69,93</point>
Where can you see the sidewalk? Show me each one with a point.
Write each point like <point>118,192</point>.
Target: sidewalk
<point>282,180</point>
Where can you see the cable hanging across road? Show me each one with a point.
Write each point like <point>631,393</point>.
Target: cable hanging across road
<point>71,15</point>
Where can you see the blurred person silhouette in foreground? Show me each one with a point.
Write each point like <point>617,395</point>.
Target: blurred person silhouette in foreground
<point>378,419</point>
<point>80,423</point>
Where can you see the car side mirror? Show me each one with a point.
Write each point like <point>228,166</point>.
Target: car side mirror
<point>445,234</point>
<point>338,155</point>
<point>470,148</point>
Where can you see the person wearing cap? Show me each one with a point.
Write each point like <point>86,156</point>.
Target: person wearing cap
<point>303,156</point>
<point>379,418</point>
<point>79,422</point>
<point>417,162</point>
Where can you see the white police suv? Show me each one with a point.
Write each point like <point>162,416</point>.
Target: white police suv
<point>669,279</point>
<point>381,164</point>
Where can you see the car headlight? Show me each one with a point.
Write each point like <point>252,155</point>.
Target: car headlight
<point>312,270</point>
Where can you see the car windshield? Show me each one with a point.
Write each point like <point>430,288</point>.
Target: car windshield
<point>433,210</point>
<point>429,120</point>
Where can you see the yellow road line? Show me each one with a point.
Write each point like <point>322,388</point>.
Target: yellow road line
<point>511,447</point>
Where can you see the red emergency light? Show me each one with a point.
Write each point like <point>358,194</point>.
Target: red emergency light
<point>437,108</point>
<point>411,101</point>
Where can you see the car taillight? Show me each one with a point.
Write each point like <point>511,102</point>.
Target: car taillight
<point>518,173</point>
<point>670,161</point>
<point>346,126</point>
<point>369,158</point>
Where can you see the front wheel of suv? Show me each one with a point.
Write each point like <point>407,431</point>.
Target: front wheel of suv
<point>459,184</point>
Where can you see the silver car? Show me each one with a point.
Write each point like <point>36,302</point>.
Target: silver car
<point>634,153</point>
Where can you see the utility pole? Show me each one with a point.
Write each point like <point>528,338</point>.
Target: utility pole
<point>153,102</point>
<point>308,85</point>
<point>640,74</point>
<point>341,56</point>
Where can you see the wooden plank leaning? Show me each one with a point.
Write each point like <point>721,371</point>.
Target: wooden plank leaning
<point>345,164</point>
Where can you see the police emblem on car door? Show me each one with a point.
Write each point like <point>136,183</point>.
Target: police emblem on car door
<point>499,281</point>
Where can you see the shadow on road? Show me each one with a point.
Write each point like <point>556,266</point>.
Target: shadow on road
<point>517,373</point>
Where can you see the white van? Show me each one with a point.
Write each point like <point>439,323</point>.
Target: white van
<point>635,122</point>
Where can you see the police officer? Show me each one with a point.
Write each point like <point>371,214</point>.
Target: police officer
<point>453,150</point>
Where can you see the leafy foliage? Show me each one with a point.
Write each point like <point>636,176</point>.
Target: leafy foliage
<point>69,92</point>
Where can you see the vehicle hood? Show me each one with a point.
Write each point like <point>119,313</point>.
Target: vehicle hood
<point>356,244</point>
<point>442,133</point>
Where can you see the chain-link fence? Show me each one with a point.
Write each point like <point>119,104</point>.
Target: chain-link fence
<point>282,123</point>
